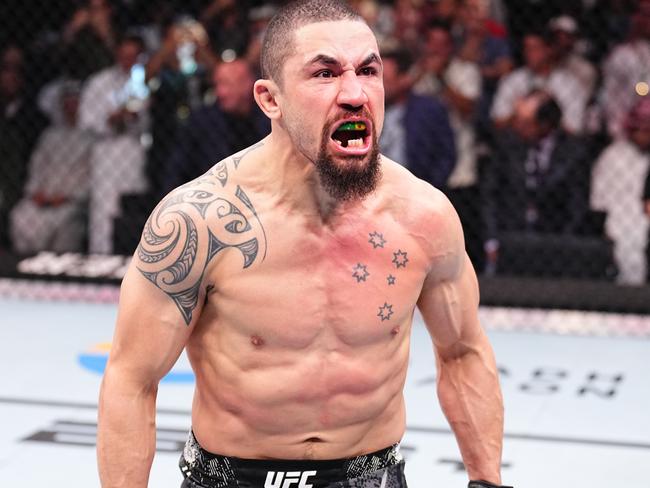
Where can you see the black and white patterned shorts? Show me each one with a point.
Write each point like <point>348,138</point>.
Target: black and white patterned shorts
<point>203,469</point>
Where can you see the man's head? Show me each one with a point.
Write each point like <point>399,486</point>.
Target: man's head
<point>70,95</point>
<point>473,14</point>
<point>638,124</point>
<point>233,86</point>
<point>565,34</point>
<point>439,41</point>
<point>12,80</point>
<point>397,80</point>
<point>279,39</point>
<point>323,91</point>
<point>538,50</point>
<point>536,116</point>
<point>128,50</point>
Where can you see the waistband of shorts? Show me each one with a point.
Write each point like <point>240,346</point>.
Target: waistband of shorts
<point>278,472</point>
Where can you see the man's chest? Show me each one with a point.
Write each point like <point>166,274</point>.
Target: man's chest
<point>358,285</point>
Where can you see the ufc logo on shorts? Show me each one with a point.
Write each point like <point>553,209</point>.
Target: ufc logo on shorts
<point>281,479</point>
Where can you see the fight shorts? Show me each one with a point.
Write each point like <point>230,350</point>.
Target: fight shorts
<point>202,469</point>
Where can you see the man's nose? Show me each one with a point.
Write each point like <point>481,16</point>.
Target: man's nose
<point>351,91</point>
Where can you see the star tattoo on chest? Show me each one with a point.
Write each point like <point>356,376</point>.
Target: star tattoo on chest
<point>391,280</point>
<point>385,312</point>
<point>376,239</point>
<point>360,272</point>
<point>400,259</point>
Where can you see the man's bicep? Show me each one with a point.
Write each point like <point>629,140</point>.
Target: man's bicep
<point>163,291</point>
<point>150,332</point>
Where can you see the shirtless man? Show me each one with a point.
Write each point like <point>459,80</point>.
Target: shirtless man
<point>290,273</point>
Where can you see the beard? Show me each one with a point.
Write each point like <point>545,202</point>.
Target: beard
<point>353,180</point>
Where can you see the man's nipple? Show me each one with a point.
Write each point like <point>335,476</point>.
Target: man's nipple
<point>257,341</point>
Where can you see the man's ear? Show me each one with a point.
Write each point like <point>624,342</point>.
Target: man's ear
<point>266,92</point>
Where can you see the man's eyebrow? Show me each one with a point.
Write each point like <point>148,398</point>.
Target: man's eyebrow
<point>371,58</point>
<point>323,59</point>
<point>330,61</point>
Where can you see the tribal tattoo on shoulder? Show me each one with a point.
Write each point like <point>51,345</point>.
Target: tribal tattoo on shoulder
<point>192,226</point>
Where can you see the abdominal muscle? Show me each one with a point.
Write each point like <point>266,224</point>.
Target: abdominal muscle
<point>257,400</point>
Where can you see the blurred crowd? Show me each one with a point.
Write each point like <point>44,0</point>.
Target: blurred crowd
<point>533,117</point>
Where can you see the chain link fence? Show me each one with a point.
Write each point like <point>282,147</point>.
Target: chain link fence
<point>533,117</point>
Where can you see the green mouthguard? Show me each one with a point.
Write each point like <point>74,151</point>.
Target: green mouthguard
<point>353,126</point>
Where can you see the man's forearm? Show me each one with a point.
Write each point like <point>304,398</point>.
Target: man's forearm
<point>470,396</point>
<point>126,435</point>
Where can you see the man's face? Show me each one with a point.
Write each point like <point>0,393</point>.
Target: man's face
<point>127,55</point>
<point>472,14</point>
<point>641,136</point>
<point>564,41</point>
<point>11,82</point>
<point>332,103</point>
<point>536,52</point>
<point>233,85</point>
<point>439,43</point>
<point>70,104</point>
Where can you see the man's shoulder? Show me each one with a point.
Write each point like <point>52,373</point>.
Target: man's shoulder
<point>422,201</point>
<point>519,76</point>
<point>101,77</point>
<point>624,53</point>
<point>223,177</point>
<point>424,213</point>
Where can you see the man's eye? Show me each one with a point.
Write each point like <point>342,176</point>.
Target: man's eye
<point>326,73</point>
<point>368,71</point>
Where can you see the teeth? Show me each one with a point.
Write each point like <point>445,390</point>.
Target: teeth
<point>355,143</point>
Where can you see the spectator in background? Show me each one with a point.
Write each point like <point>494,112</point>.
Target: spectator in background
<point>626,72</point>
<point>379,16</point>
<point>176,74</point>
<point>89,38</point>
<point>541,72</point>
<point>537,179</point>
<point>416,129</point>
<point>617,189</point>
<point>51,216</point>
<point>113,108</point>
<point>458,83</point>
<point>226,22</point>
<point>408,20</point>
<point>214,132</point>
<point>565,34</point>
<point>20,126</point>
<point>482,41</point>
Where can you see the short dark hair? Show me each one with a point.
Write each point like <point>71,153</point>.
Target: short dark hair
<point>132,38</point>
<point>549,112</point>
<point>542,32</point>
<point>440,24</point>
<point>278,40</point>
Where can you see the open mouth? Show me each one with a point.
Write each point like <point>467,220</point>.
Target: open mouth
<point>352,134</point>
